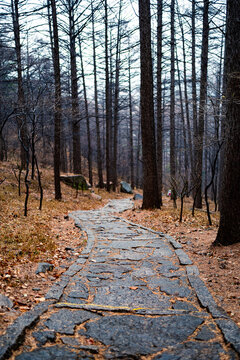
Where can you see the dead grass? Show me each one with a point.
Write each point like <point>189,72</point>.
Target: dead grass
<point>41,236</point>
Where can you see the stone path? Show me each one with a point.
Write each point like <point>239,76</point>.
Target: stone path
<point>132,294</point>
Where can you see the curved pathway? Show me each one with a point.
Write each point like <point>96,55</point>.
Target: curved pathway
<point>132,294</point>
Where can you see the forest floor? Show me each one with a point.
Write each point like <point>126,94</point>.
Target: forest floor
<point>47,235</point>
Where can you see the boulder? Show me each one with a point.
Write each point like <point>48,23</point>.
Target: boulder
<point>125,187</point>
<point>95,196</point>
<point>137,197</point>
<point>5,302</point>
<point>77,182</point>
<point>43,267</point>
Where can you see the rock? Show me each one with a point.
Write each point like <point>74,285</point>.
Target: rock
<point>192,350</point>
<point>16,330</point>
<point>64,321</point>
<point>231,332</point>
<point>43,267</point>
<point>137,197</point>
<point>75,181</point>
<point>95,196</point>
<point>205,334</point>
<point>125,187</point>
<point>42,337</point>
<point>54,352</point>
<point>5,302</point>
<point>130,335</point>
<point>67,248</point>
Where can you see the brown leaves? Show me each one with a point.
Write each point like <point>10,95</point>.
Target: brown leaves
<point>133,287</point>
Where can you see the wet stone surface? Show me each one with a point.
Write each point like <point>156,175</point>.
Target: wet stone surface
<point>131,294</point>
<point>193,351</point>
<point>64,321</point>
<point>54,352</point>
<point>130,297</point>
<point>131,334</point>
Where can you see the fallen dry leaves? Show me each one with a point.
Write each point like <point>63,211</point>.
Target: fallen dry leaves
<point>219,266</point>
<point>42,236</point>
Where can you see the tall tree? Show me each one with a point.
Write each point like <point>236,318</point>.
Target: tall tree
<point>150,185</point>
<point>172,104</point>
<point>202,103</point>
<point>186,98</point>
<point>77,168</point>
<point>159,97</point>
<point>107,98</point>
<point>58,103</point>
<point>116,100</point>
<point>229,229</point>
<point>130,121</point>
<point>21,116</point>
<point>90,175</point>
<point>99,150</point>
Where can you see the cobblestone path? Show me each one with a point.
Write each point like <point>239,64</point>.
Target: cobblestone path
<point>132,294</point>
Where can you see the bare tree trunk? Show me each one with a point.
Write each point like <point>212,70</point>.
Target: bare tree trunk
<point>21,117</point>
<point>229,228</point>
<point>150,185</point>
<point>189,143</point>
<point>194,101</point>
<point>159,100</point>
<point>58,104</point>
<point>116,100</point>
<point>172,104</point>
<point>77,168</point>
<point>202,102</point>
<point>130,122</point>
<point>183,124</point>
<point>87,118</point>
<point>99,151</point>
<point>107,99</point>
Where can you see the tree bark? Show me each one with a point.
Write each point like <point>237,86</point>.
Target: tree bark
<point>202,103</point>
<point>77,168</point>
<point>189,134</point>
<point>21,117</point>
<point>159,99</point>
<point>130,122</point>
<point>116,100</point>
<point>90,175</point>
<point>172,104</point>
<point>58,104</point>
<point>99,151</point>
<point>107,99</point>
<point>229,228</point>
<point>150,185</point>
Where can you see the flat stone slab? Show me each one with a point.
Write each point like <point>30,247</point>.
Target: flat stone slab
<point>17,329</point>
<point>130,334</point>
<point>193,351</point>
<point>129,296</point>
<point>183,257</point>
<point>5,302</point>
<point>231,332</point>
<point>54,352</point>
<point>205,334</point>
<point>42,337</point>
<point>64,321</point>
<point>170,287</point>
<point>203,294</point>
<point>57,289</point>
